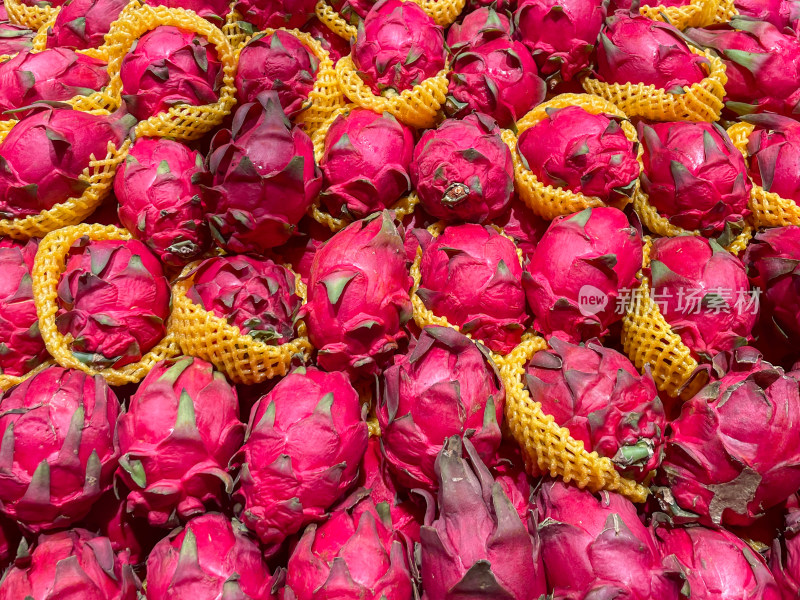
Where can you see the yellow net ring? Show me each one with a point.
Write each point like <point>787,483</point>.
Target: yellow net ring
<point>698,13</point>
<point>333,21</point>
<point>9,381</point>
<point>32,17</point>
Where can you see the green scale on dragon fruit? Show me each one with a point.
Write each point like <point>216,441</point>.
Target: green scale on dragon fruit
<point>482,25</point>
<point>773,151</point>
<point>13,38</point>
<point>83,24</point>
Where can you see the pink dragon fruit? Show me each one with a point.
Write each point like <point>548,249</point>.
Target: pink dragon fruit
<point>703,293</point>
<point>355,554</point>
<point>585,153</point>
<point>365,163</point>
<point>480,26</point>
<point>72,564</point>
<point>332,43</point>
<point>255,295</point>
<point>305,441</point>
<point>114,301</point>
<point>44,155</point>
<point>82,24</point>
<point>299,251</point>
<point>398,46</point>
<point>168,67</point>
<point>561,34</point>
<point>478,547</point>
<point>211,10</point>
<point>14,38</point>
<point>278,61</point>
<point>522,225</point>
<point>159,199</point>
<point>784,559</point>
<point>276,13</point>
<point>463,170</point>
<point>775,12</point>
<point>774,154</point>
<point>580,270</point>
<point>352,11</point>
<point>358,297</point>
<point>600,397</point>
<point>50,481</point>
<point>471,276</point>
<point>446,385</point>
<point>211,557</point>
<point>22,348</point>
<point>263,178</point>
<point>508,470</point>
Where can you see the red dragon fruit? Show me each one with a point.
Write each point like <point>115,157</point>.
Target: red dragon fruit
<point>478,547</point>
<point>299,251</point>
<point>365,163</point>
<point>72,564</point>
<point>463,171</point>
<point>22,348</point>
<point>336,46</point>
<point>703,292</point>
<point>775,12</point>
<point>211,10</point>
<point>211,557</point>
<point>358,297</point>
<point>694,176</point>
<point>263,178</point>
<point>352,11</point>
<point>784,559</point>
<point>398,46</point>
<point>600,397</point>
<point>774,154</point>
<point>522,225</point>
<point>278,61</point>
<point>168,67</point>
<point>561,34</point>
<point>82,24</point>
<point>50,481</point>
<point>480,26</point>
<point>14,38</point>
<point>446,385</point>
<point>580,270</point>
<point>114,301</point>
<point>159,199</point>
<point>508,470</point>
<point>471,276</point>
<point>276,13</point>
<point>284,485</point>
<point>582,152</point>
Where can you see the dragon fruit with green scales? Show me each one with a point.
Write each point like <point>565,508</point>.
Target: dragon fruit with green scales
<point>14,38</point>
<point>482,25</point>
<point>262,14</point>
<point>773,151</point>
<point>83,24</point>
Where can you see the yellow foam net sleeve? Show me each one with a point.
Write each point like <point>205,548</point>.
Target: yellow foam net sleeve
<point>242,358</point>
<point>333,21</point>
<point>233,28</point>
<point>549,201</point>
<point>769,209</point>
<point>32,17</point>
<point>698,13</point>
<point>48,266</point>
<point>725,12</point>
<point>40,41</point>
<point>443,12</point>
<point>9,381</point>
<point>700,101</point>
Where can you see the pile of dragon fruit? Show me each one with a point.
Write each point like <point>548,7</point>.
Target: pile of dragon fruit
<point>395,276</point>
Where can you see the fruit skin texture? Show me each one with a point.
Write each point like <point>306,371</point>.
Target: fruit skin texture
<point>478,547</point>
<point>574,149</point>
<point>336,46</point>
<point>72,564</point>
<point>463,170</point>
<point>50,481</point>
<point>114,301</point>
<point>82,24</point>
<point>776,12</point>
<point>397,47</point>
<point>774,154</point>
<point>159,199</point>
<point>14,38</point>
<point>600,397</point>
<point>446,385</point>
<point>211,557</point>
<point>211,10</point>
<point>358,297</point>
<point>22,348</point>
<point>703,292</point>
<point>169,67</point>
<point>471,275</point>
<point>366,162</point>
<point>482,25</point>
<point>290,14</point>
<point>262,178</point>
<point>784,559</point>
<point>595,248</point>
<point>305,441</point>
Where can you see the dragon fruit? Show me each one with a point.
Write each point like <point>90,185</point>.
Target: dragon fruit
<point>580,270</point>
<point>50,481</point>
<point>290,14</point>
<point>211,10</point>
<point>72,564</point>
<point>365,163</point>
<point>159,199</point>
<point>358,297</point>
<point>773,151</point>
<point>398,46</point>
<point>471,276</point>
<point>635,49</point>
<point>263,178</point>
<point>332,43</point>
<point>299,251</point>
<point>775,12</point>
<point>10,537</point>
<point>694,176</point>
<point>522,225</point>
<point>278,61</point>
<point>508,470</point>
<point>211,557</point>
<point>582,152</point>
<point>703,292</point>
<point>22,348</point>
<point>478,547</point>
<point>305,441</point>
<point>354,554</point>
<point>352,11</point>
<point>255,295</point>
<point>446,385</point>
<point>14,38</point>
<point>44,155</point>
<point>561,34</point>
<point>480,26</point>
<point>168,67</point>
<point>463,170</point>
<point>82,24</point>
<point>784,560</point>
<point>600,397</point>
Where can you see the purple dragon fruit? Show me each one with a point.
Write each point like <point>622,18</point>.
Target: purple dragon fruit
<point>211,10</point>
<point>82,24</point>
<point>784,559</point>
<point>480,26</point>
<point>276,13</point>
<point>774,154</point>
<point>336,46</point>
